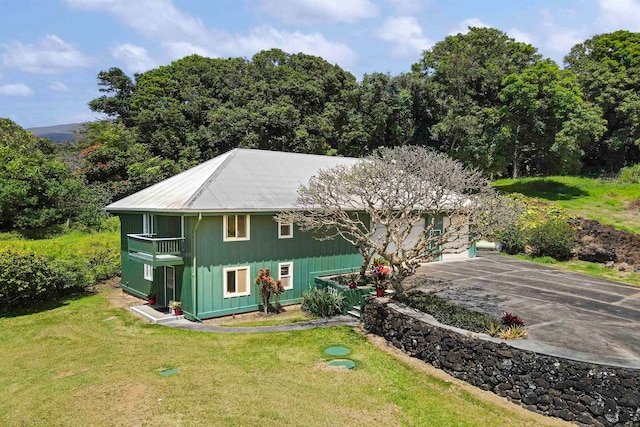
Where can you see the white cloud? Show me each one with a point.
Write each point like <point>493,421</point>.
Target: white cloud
<point>520,36</point>
<point>619,14</point>
<point>558,40</point>
<point>407,7</point>
<point>314,44</point>
<point>50,55</point>
<point>463,27</point>
<point>316,11</point>
<point>180,34</point>
<point>15,89</point>
<point>135,58</point>
<point>153,18</point>
<point>181,49</point>
<point>406,35</point>
<point>59,87</point>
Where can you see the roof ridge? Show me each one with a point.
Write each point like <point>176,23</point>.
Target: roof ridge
<point>213,176</point>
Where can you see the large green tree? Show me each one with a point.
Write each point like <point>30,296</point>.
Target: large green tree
<point>608,70</point>
<point>32,180</point>
<point>196,107</point>
<point>392,111</point>
<point>546,121</point>
<point>464,75</point>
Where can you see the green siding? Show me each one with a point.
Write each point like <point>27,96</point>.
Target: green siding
<point>264,249</point>
<point>133,272</point>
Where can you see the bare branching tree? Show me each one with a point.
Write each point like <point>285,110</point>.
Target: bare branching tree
<point>407,205</point>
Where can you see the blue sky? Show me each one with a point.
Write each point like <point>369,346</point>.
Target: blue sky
<point>52,50</point>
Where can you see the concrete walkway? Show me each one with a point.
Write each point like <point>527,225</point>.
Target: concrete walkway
<point>155,315</point>
<point>567,314</point>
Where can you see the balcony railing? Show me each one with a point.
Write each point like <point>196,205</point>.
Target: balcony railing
<point>156,250</point>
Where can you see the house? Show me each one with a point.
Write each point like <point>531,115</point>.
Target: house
<point>201,236</point>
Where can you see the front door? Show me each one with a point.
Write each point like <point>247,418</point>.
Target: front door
<point>169,285</point>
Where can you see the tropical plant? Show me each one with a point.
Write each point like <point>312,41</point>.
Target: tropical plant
<point>268,286</point>
<point>510,320</point>
<point>515,332</point>
<point>321,302</point>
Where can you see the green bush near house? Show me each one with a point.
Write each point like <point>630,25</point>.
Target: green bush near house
<point>36,271</point>
<point>27,278</point>
<point>554,238</point>
<point>321,302</point>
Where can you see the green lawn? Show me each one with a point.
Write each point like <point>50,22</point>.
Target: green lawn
<point>86,363</point>
<point>602,200</point>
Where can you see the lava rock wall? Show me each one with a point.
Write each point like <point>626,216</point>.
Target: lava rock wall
<point>580,392</point>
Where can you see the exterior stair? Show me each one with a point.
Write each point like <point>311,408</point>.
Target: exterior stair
<point>355,312</point>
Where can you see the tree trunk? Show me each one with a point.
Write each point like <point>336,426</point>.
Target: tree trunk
<point>516,162</point>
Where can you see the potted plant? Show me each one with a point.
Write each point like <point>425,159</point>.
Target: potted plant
<point>381,287</point>
<point>176,308</point>
<point>151,298</point>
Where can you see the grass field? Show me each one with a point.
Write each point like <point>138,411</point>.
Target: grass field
<point>86,363</point>
<point>601,200</point>
<point>68,245</point>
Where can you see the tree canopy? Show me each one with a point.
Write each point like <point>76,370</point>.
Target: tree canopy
<point>607,67</point>
<point>37,189</point>
<point>392,204</point>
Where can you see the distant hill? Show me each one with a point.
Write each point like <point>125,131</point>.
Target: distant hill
<point>58,133</point>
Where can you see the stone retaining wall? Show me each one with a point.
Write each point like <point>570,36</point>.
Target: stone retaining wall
<point>574,391</point>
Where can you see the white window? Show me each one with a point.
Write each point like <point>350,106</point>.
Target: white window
<point>147,224</point>
<point>236,282</point>
<point>285,230</point>
<point>148,272</point>
<point>236,227</point>
<point>285,274</point>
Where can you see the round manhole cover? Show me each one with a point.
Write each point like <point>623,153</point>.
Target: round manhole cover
<point>337,351</point>
<point>343,363</point>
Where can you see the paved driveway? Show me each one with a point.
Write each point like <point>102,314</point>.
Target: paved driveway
<point>567,314</point>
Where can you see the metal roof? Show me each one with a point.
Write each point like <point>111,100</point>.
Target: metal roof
<point>240,180</point>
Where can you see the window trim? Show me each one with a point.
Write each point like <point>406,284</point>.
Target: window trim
<point>285,236</point>
<point>290,275</point>
<point>147,224</point>
<point>148,272</point>
<point>224,281</point>
<point>225,223</point>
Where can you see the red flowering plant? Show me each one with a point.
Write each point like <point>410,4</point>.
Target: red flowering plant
<point>268,286</point>
<point>380,273</point>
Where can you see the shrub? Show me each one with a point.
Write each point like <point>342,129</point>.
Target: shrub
<point>554,238</point>
<point>513,239</point>
<point>513,333</point>
<point>630,174</point>
<point>27,279</point>
<point>447,312</point>
<point>511,320</point>
<point>321,302</point>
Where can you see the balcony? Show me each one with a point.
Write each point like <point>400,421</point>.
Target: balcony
<point>156,251</point>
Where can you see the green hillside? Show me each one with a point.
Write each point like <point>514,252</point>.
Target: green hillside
<point>606,201</point>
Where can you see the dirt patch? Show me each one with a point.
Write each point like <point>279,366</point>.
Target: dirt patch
<point>115,295</point>
<point>635,205</point>
<point>598,237</point>
<point>289,311</point>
